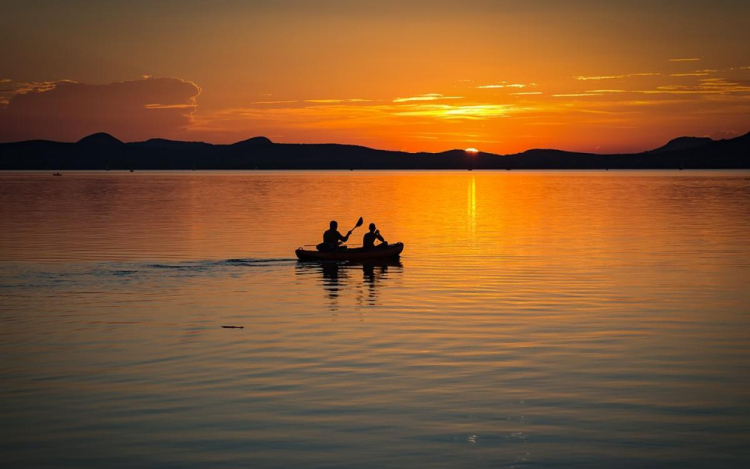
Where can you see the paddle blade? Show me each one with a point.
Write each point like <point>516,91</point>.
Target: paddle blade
<point>359,222</point>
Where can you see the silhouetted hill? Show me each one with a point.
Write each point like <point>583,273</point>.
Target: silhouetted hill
<point>682,143</point>
<point>102,151</point>
<point>253,142</point>
<point>100,139</point>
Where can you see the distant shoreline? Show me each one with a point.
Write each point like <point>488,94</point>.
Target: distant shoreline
<point>104,152</point>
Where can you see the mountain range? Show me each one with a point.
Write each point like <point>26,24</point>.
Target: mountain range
<point>103,151</point>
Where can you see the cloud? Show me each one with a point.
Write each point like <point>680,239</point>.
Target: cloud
<point>471,111</point>
<point>602,77</point>
<point>612,77</point>
<point>504,85</point>
<point>275,102</point>
<point>129,110</point>
<point>337,101</point>
<point>690,59</point>
<point>170,106</point>
<point>425,97</point>
<point>575,95</point>
<point>37,86</point>
<point>692,74</point>
<point>707,86</point>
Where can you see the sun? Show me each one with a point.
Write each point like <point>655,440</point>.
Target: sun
<point>471,151</point>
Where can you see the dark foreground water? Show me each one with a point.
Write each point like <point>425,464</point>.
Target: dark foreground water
<point>538,319</point>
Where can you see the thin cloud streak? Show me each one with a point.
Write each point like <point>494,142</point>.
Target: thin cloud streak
<point>425,97</point>
<point>337,101</point>
<point>576,95</point>
<point>504,85</point>
<point>692,74</point>
<point>169,106</point>
<point>612,77</point>
<point>474,111</point>
<point>275,102</point>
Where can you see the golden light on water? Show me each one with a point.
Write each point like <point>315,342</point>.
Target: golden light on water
<point>513,284</point>
<point>471,207</point>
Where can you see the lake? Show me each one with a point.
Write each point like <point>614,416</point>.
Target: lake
<point>535,319</point>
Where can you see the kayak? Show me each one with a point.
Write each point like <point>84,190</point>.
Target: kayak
<point>387,251</point>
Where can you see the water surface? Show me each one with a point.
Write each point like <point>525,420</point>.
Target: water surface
<point>535,319</point>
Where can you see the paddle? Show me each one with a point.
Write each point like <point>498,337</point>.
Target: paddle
<point>359,223</point>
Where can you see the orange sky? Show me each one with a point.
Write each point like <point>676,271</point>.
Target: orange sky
<point>500,76</point>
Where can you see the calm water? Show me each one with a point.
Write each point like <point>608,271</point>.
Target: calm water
<point>536,319</point>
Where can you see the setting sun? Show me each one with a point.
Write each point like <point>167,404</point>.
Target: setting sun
<point>472,151</point>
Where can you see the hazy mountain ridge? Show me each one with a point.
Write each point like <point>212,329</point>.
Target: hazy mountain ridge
<point>103,151</point>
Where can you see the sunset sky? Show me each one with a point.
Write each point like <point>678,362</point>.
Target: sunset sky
<point>501,76</point>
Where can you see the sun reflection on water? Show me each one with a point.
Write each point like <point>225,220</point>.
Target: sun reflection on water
<point>471,207</point>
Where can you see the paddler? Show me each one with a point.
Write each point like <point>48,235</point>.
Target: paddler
<point>368,240</point>
<point>332,238</point>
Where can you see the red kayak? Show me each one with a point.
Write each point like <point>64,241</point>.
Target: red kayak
<point>388,251</point>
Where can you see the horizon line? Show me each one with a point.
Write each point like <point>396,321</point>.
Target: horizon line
<point>361,146</point>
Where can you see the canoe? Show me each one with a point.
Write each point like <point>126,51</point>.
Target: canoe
<point>355,254</point>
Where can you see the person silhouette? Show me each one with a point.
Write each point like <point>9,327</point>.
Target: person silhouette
<point>332,238</point>
<point>368,240</point>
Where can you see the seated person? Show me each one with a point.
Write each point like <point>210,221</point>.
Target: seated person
<point>368,241</point>
<point>332,238</point>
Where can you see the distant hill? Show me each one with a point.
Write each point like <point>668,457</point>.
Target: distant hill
<point>100,139</point>
<point>682,143</point>
<point>103,151</point>
<point>253,142</point>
